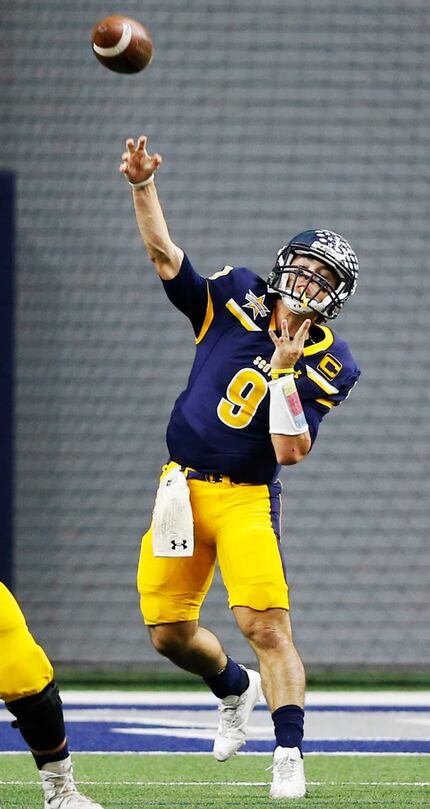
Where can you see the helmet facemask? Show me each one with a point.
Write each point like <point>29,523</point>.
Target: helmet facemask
<point>305,298</point>
<point>336,255</point>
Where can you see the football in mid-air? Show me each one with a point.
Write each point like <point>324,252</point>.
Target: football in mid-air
<point>122,44</point>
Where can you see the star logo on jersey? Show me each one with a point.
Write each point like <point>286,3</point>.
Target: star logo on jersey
<point>256,304</point>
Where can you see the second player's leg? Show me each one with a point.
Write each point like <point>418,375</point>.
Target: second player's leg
<point>31,695</point>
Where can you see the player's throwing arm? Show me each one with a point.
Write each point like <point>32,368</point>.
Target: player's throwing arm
<point>139,167</point>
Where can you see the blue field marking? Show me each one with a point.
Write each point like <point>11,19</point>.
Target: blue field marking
<point>175,722</point>
<point>99,737</point>
<point>131,706</point>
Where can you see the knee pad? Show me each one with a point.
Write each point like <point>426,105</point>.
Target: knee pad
<point>40,718</point>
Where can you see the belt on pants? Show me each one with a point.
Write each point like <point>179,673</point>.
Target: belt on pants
<point>209,477</point>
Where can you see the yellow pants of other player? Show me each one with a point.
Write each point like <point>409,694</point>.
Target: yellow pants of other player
<point>24,666</point>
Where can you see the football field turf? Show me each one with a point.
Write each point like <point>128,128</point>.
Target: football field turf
<point>140,781</point>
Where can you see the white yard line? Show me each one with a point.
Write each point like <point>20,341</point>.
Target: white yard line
<point>229,783</point>
<point>326,698</point>
<point>210,755</point>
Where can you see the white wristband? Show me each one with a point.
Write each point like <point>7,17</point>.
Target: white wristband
<point>136,186</point>
<point>286,416</point>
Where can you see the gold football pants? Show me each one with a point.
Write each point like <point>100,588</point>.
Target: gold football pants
<point>24,667</point>
<point>236,523</point>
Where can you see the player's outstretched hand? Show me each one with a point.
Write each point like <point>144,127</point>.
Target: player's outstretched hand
<point>137,165</point>
<point>288,352</point>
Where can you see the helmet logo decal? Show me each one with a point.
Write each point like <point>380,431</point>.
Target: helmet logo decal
<point>304,300</point>
<point>256,304</point>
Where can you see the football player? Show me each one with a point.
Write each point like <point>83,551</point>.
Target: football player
<point>29,690</point>
<point>267,370</point>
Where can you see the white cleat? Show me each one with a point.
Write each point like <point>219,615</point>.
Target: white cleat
<point>60,789</point>
<point>288,774</point>
<point>234,714</point>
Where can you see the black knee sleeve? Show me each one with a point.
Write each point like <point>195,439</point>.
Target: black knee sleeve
<point>40,718</point>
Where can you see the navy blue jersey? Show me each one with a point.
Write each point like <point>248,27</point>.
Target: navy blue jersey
<point>220,423</point>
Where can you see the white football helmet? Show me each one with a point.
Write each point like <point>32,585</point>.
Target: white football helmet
<point>333,251</point>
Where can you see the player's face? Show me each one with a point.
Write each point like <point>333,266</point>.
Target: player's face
<point>301,283</point>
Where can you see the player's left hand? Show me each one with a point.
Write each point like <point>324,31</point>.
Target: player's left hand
<point>288,351</point>
<point>137,165</point>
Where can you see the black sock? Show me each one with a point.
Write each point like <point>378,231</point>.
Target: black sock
<point>233,680</point>
<point>45,758</point>
<point>289,722</point>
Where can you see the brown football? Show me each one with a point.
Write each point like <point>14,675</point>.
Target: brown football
<point>122,44</point>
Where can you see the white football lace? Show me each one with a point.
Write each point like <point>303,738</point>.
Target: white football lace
<point>229,716</point>
<point>60,784</point>
<point>285,767</point>
<point>62,787</point>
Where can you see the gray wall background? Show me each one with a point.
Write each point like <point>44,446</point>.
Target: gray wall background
<point>272,118</point>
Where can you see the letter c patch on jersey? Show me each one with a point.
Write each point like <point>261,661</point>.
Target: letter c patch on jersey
<point>329,366</point>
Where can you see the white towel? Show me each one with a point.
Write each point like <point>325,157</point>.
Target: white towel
<point>172,519</point>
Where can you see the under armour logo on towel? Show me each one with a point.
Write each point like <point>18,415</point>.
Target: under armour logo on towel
<point>182,544</point>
